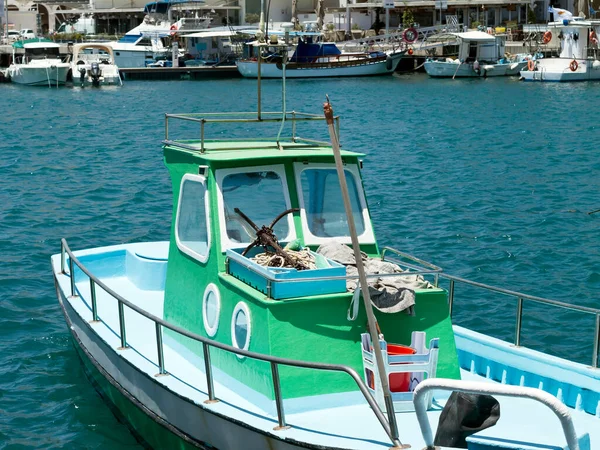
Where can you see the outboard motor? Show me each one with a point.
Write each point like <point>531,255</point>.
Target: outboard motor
<point>95,74</point>
<point>82,72</point>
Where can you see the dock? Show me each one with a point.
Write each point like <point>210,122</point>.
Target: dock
<point>179,73</point>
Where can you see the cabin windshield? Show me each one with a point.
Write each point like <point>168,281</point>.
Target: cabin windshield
<point>322,196</point>
<point>42,52</point>
<point>260,196</point>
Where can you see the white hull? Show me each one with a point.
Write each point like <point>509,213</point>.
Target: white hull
<point>559,70</point>
<point>134,58</point>
<point>110,75</point>
<point>40,73</point>
<point>249,69</point>
<point>449,70</point>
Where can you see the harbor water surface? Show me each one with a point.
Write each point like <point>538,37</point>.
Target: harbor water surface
<point>493,180</point>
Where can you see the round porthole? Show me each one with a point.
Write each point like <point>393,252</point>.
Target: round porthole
<point>211,307</point>
<point>240,327</point>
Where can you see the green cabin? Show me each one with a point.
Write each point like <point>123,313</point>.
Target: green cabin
<point>262,178</point>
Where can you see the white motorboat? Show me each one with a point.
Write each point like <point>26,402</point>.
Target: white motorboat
<point>579,58</point>
<point>151,40</point>
<point>93,63</point>
<point>143,44</point>
<point>479,55</point>
<point>41,65</point>
<point>310,59</point>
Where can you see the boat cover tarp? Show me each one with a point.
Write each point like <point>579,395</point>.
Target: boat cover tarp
<point>388,294</point>
<point>308,52</point>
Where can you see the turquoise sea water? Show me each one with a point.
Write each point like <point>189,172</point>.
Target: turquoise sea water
<point>490,179</point>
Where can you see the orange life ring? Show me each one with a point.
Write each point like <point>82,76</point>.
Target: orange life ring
<point>573,66</point>
<point>173,30</point>
<point>593,37</point>
<point>547,37</point>
<point>530,65</point>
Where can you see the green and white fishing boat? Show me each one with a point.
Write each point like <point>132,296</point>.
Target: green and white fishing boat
<point>198,345</point>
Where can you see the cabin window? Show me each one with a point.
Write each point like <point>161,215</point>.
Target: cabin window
<point>192,233</point>
<point>323,212</point>
<point>146,42</point>
<point>211,308</point>
<point>260,194</point>
<point>240,327</point>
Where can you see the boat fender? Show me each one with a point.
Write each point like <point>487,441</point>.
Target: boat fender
<point>389,63</point>
<point>476,67</point>
<point>279,65</point>
<point>173,30</point>
<point>463,415</point>
<point>575,36</point>
<point>593,37</point>
<point>410,35</point>
<point>596,65</point>
<point>410,51</point>
<point>574,65</point>
<point>531,65</point>
<point>561,35</point>
<point>547,37</point>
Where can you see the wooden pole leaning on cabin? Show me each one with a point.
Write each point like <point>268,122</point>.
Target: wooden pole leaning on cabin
<point>362,277</point>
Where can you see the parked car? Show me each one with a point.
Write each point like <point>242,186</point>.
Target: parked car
<point>26,33</point>
<point>13,35</point>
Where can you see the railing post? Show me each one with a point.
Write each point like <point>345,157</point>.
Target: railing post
<point>159,350</point>
<point>278,399</point>
<point>166,126</point>
<point>451,297</point>
<point>72,276</point>
<point>519,317</point>
<point>293,126</point>
<point>202,135</point>
<point>596,343</point>
<point>62,257</point>
<point>208,370</point>
<point>94,304</point>
<point>122,326</point>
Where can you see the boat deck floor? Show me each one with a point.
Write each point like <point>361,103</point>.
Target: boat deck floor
<point>355,426</point>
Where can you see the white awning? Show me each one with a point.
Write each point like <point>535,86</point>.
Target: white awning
<point>475,36</point>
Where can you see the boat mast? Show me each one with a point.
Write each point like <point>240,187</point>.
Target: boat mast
<point>362,277</point>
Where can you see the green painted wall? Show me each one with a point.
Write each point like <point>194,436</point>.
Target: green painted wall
<point>310,329</point>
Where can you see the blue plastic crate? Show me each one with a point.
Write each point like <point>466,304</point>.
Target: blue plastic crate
<point>287,283</point>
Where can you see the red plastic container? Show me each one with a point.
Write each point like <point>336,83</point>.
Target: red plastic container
<point>400,382</point>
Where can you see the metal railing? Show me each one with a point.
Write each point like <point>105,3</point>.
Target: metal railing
<point>274,361</point>
<point>294,117</point>
<point>521,298</point>
<point>473,387</point>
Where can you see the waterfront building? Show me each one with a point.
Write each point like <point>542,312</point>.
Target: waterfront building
<point>119,16</point>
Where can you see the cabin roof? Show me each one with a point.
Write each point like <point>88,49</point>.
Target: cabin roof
<point>254,150</point>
